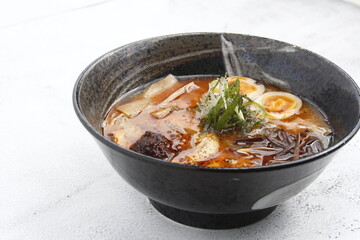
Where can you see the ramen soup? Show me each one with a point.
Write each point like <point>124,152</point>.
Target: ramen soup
<point>217,122</point>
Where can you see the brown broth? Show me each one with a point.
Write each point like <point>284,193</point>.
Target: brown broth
<point>181,126</point>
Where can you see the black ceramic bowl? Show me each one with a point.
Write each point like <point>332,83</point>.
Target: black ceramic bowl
<point>216,197</point>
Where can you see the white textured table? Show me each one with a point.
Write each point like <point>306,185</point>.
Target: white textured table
<point>54,181</point>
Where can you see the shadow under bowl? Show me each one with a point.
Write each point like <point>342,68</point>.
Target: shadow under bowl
<point>216,197</point>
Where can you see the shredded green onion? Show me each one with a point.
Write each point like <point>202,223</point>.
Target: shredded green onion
<point>224,108</point>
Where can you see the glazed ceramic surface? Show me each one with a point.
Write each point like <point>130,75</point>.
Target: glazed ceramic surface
<point>216,190</point>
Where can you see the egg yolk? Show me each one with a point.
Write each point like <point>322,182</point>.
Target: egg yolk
<point>278,103</point>
<point>245,87</point>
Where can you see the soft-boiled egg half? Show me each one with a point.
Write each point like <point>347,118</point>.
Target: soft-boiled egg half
<point>248,86</point>
<point>279,105</point>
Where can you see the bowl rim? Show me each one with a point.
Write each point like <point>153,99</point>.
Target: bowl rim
<point>142,157</point>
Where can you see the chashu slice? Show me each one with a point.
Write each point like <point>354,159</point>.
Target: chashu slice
<point>205,149</point>
<point>127,134</point>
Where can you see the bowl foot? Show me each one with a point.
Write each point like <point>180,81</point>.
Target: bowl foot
<point>211,221</point>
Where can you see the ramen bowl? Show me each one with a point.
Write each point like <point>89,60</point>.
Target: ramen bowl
<point>216,198</point>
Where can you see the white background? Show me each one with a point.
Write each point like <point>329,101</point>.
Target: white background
<point>54,181</point>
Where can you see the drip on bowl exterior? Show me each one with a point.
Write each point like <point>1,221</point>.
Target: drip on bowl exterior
<point>216,197</point>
